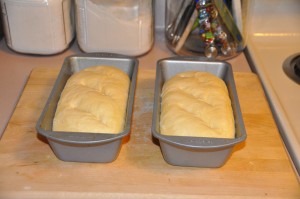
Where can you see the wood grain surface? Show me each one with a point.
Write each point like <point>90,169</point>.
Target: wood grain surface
<point>257,168</point>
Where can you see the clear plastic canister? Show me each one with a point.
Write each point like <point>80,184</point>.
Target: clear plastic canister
<point>209,28</point>
<point>38,27</point>
<point>115,26</point>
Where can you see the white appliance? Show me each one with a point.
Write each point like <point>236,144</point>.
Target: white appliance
<point>274,41</point>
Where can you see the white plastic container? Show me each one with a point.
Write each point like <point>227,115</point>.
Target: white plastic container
<point>38,26</point>
<point>115,26</point>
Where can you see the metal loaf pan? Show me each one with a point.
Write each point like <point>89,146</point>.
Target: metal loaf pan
<point>86,147</point>
<point>196,151</point>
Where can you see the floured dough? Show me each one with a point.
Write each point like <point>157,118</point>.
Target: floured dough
<point>94,100</point>
<point>196,104</point>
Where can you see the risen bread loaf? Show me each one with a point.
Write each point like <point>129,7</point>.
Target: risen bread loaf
<point>93,100</point>
<point>196,104</point>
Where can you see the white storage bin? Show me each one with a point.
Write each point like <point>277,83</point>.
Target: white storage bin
<point>38,26</point>
<point>115,26</point>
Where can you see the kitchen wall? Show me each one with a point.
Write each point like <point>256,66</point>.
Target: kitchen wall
<point>159,14</point>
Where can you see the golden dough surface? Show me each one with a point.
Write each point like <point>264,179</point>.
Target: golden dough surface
<point>93,100</point>
<point>196,104</point>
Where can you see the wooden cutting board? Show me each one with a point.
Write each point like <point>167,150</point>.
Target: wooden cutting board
<point>257,168</point>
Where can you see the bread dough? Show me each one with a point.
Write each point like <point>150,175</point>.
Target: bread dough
<point>93,100</point>
<point>196,104</point>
